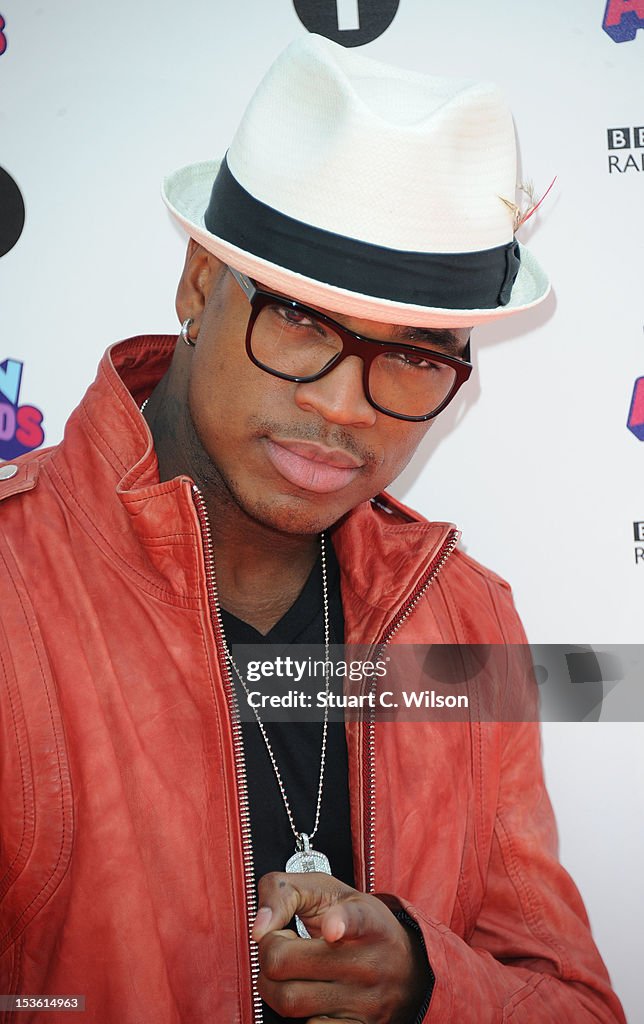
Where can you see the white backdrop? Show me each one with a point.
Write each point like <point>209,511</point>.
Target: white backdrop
<point>533,461</point>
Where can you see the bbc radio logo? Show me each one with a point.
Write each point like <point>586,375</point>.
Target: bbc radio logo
<point>626,146</point>
<point>638,535</point>
<point>622,19</point>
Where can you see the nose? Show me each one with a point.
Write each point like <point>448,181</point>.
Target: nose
<point>339,396</point>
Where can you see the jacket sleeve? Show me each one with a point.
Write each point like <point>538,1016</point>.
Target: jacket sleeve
<point>36,802</point>
<point>531,958</point>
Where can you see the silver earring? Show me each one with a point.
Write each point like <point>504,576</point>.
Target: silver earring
<point>183,333</point>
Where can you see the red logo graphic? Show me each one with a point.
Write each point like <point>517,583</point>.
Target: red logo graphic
<point>622,18</point>
<point>3,38</point>
<point>635,422</point>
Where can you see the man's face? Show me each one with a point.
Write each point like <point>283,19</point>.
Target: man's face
<point>293,456</point>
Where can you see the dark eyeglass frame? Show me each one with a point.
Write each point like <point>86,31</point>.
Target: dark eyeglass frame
<point>367,349</point>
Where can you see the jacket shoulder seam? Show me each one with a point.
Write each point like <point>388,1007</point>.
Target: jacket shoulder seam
<point>24,480</point>
<point>482,570</point>
<point>110,552</point>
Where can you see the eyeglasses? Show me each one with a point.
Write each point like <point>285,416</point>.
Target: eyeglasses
<point>292,341</point>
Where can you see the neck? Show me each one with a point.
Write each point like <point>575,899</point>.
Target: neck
<point>260,570</point>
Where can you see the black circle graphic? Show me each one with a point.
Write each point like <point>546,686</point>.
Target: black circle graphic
<point>349,22</point>
<point>12,212</point>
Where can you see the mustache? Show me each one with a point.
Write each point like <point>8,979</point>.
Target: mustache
<point>333,438</point>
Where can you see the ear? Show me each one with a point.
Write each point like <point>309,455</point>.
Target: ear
<point>200,272</point>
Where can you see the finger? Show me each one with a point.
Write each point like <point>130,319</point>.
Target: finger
<point>282,895</point>
<point>283,956</point>
<point>300,998</point>
<point>296,959</point>
<point>336,1020</point>
<point>262,923</point>
<point>334,924</point>
<point>358,917</point>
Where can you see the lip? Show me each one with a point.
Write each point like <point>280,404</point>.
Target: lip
<point>311,466</point>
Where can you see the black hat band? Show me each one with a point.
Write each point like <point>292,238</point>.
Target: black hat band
<point>469,280</point>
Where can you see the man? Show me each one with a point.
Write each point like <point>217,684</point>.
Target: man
<point>227,488</point>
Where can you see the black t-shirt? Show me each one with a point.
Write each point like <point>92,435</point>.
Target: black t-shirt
<point>297,747</point>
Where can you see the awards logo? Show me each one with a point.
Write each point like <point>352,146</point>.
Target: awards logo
<point>20,425</point>
<point>635,421</point>
<point>622,19</point>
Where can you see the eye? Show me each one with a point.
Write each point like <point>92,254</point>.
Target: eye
<point>297,324</point>
<point>414,360</point>
<point>294,317</point>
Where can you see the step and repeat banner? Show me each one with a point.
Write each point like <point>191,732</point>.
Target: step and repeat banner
<point>540,460</point>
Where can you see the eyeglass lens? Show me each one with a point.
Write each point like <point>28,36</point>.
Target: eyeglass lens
<point>294,343</point>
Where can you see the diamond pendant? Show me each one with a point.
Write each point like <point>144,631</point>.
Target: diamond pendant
<point>306,859</point>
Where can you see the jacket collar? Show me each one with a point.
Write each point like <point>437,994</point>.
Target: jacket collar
<point>383,548</point>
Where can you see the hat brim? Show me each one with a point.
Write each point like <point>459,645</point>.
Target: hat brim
<point>186,193</point>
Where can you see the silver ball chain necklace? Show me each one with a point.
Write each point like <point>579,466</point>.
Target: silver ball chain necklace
<point>305,858</point>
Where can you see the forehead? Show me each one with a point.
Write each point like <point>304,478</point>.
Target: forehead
<point>450,340</point>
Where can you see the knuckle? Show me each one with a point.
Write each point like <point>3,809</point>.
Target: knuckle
<point>339,894</point>
<point>361,916</point>
<point>271,959</point>
<point>372,972</point>
<point>288,1001</point>
<point>282,998</point>
<point>270,882</point>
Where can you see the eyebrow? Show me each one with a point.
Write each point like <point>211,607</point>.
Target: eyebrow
<point>444,339</point>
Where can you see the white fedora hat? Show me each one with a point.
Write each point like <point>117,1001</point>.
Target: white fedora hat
<point>368,190</point>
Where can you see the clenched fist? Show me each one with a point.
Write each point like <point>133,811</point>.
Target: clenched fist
<point>360,964</point>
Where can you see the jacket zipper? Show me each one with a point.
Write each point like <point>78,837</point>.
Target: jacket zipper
<point>369,762</point>
<point>238,748</point>
<point>369,740</point>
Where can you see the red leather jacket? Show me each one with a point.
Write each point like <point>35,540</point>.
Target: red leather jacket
<point>122,805</point>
